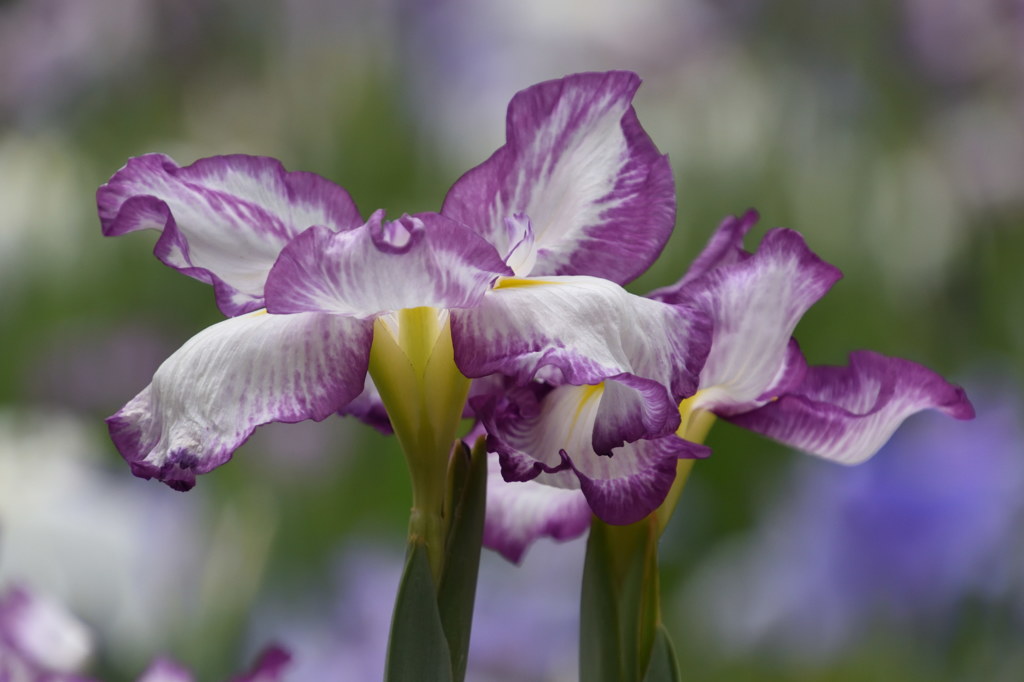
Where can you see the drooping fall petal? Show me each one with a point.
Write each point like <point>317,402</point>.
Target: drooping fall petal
<point>206,399</point>
<point>847,413</point>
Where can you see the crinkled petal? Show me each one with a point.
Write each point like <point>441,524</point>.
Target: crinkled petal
<point>755,304</point>
<point>421,260</point>
<point>634,481</point>
<point>206,399</point>
<point>586,330</point>
<point>847,413</point>
<point>724,248</point>
<point>549,441</point>
<point>577,162</point>
<point>224,219</point>
<point>520,513</point>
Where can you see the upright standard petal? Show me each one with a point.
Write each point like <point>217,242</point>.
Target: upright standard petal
<point>724,248</point>
<point>576,161</point>
<point>847,413</point>
<point>586,330</point>
<point>755,304</point>
<point>223,219</point>
<point>206,399</point>
<point>420,260</point>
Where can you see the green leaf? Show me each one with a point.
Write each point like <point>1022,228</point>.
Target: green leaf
<point>418,649</point>
<point>457,592</point>
<point>664,665</point>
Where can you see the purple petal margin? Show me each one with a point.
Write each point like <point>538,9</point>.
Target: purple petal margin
<point>847,413</point>
<point>598,193</point>
<point>724,248</point>
<point>223,219</point>
<point>586,330</point>
<point>625,494</point>
<point>620,488</point>
<point>520,513</point>
<point>420,260</point>
<point>755,305</point>
<point>207,398</point>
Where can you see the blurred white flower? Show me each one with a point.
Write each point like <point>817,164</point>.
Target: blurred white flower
<point>134,560</point>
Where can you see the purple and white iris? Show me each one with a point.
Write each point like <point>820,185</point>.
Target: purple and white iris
<point>582,386</point>
<point>754,376</point>
<point>524,262</point>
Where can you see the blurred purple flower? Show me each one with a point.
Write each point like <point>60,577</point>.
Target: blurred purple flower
<point>270,666</point>
<point>524,627</point>
<point>904,539</point>
<point>92,369</point>
<point>39,640</point>
<point>54,51</point>
<point>957,42</point>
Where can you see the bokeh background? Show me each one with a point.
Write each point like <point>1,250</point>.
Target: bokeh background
<point>889,132</point>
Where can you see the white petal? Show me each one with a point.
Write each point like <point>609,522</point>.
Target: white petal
<point>208,397</point>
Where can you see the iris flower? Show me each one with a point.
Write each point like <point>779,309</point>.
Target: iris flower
<point>754,376</point>
<point>519,274</point>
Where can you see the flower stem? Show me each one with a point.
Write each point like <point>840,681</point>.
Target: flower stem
<point>622,638</point>
<point>412,364</point>
<point>694,427</point>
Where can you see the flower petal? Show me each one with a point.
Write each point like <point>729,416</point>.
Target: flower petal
<point>520,513</point>
<point>224,219</point>
<point>421,260</point>
<point>755,304</point>
<point>206,399</point>
<point>724,248</point>
<point>548,440</point>
<point>586,330</point>
<point>635,480</point>
<point>847,413</point>
<point>577,162</point>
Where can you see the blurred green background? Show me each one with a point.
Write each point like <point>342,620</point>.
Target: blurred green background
<point>888,132</point>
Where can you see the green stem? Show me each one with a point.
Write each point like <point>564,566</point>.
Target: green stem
<point>412,364</point>
<point>694,427</point>
<point>622,638</point>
